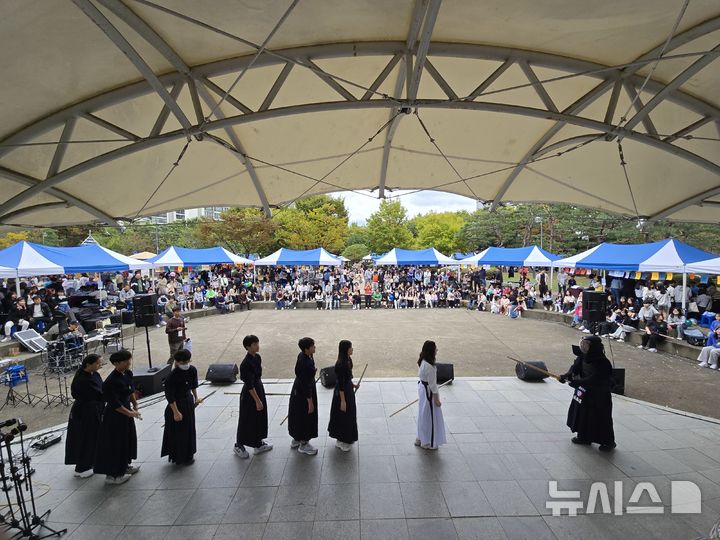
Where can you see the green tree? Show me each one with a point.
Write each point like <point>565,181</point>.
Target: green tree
<point>387,228</point>
<point>319,221</point>
<point>241,230</point>
<point>356,252</point>
<point>440,231</point>
<point>357,234</point>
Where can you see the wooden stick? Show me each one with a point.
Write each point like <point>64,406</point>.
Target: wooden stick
<point>202,399</point>
<point>199,401</point>
<point>557,377</point>
<point>416,400</point>
<point>361,378</point>
<point>288,415</point>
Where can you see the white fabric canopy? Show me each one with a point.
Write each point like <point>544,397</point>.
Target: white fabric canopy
<point>303,257</point>
<point>105,95</point>
<point>711,266</point>
<point>415,257</point>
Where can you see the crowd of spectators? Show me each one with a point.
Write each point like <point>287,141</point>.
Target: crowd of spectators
<point>633,306</point>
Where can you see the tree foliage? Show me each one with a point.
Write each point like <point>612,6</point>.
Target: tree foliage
<point>241,230</point>
<point>355,252</point>
<point>322,221</point>
<point>388,228</point>
<point>440,231</point>
<point>319,221</point>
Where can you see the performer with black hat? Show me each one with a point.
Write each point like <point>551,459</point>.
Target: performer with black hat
<point>590,412</point>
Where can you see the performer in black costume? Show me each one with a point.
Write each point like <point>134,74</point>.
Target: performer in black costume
<point>343,412</point>
<point>85,416</point>
<point>590,412</point>
<point>117,445</point>
<point>179,439</point>
<point>253,419</point>
<point>302,409</point>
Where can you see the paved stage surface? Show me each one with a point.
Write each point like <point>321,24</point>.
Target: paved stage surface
<point>507,439</point>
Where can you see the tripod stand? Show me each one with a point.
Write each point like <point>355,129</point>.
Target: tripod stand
<point>23,512</point>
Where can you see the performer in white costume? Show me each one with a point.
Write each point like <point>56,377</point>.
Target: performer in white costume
<point>430,426</point>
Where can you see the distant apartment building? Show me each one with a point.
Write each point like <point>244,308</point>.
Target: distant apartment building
<point>212,212</point>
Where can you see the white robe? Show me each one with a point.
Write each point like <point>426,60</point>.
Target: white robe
<point>430,424</point>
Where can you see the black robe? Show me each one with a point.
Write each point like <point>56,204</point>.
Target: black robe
<point>85,419</point>
<point>343,425</point>
<point>252,424</point>
<point>117,445</point>
<point>590,412</point>
<point>301,425</point>
<point>179,439</point>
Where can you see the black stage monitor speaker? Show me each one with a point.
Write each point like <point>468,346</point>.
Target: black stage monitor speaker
<point>150,382</point>
<point>327,377</point>
<point>594,305</point>
<point>445,372</point>
<point>618,381</point>
<point>526,373</point>
<point>222,373</point>
<point>144,310</point>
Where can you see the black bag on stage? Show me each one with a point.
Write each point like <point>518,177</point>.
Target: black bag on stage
<point>526,373</point>
<point>445,372</point>
<point>327,377</point>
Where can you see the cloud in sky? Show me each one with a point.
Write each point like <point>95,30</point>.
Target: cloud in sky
<point>360,207</point>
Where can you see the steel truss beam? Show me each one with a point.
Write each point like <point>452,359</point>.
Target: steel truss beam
<point>626,78</point>
<point>395,51</point>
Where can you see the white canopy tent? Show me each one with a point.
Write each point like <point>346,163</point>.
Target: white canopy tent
<point>262,101</point>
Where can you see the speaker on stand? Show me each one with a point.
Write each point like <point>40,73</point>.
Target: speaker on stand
<point>594,307</point>
<point>145,316</point>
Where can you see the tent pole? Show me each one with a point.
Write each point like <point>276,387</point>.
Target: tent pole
<point>604,280</point>
<point>552,271</point>
<point>684,294</point>
<point>17,283</point>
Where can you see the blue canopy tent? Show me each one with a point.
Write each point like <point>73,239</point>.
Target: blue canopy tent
<point>664,256</point>
<point>177,256</point>
<point>291,257</point>
<point>414,257</point>
<point>27,259</point>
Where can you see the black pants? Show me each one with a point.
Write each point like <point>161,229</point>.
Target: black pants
<point>651,340</point>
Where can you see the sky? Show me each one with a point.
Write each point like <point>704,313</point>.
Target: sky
<point>361,207</point>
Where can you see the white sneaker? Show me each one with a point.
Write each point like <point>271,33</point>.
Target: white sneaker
<point>621,340</point>
<point>586,331</point>
<point>345,447</point>
<point>652,350</point>
<point>640,347</point>
<point>713,366</point>
<point>157,325</point>
<point>117,479</point>
<point>703,364</point>
<point>5,339</point>
<point>294,444</point>
<point>240,452</point>
<point>581,327</point>
<point>428,447</point>
<point>308,449</point>
<point>132,469</point>
<point>84,474</point>
<point>264,447</point>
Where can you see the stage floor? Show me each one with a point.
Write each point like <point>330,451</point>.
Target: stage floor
<point>507,440</point>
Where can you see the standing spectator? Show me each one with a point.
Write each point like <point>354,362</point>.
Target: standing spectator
<point>175,330</point>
